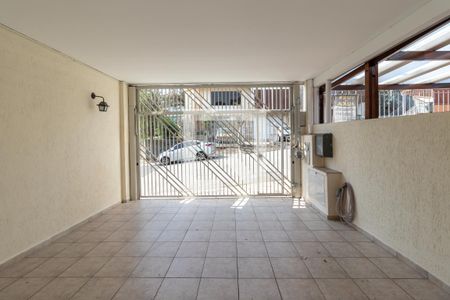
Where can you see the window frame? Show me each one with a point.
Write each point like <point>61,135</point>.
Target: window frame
<point>370,68</point>
<point>223,101</point>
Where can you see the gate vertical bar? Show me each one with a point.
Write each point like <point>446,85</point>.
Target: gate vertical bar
<point>296,101</point>
<point>248,124</point>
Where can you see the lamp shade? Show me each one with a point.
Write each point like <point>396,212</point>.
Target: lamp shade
<point>103,106</point>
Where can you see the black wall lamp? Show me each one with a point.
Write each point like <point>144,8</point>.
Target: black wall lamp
<point>102,106</point>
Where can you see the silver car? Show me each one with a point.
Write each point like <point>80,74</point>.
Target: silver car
<point>187,151</point>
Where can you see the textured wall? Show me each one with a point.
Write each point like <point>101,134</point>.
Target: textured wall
<point>59,157</point>
<point>400,171</point>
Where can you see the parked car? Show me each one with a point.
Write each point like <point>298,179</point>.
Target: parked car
<point>186,151</point>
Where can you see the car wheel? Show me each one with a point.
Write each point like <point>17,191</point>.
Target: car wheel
<point>165,160</point>
<point>201,156</point>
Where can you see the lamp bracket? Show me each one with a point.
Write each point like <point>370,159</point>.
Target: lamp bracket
<point>93,96</point>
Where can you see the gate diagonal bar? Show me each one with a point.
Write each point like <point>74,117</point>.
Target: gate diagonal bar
<point>211,164</point>
<point>262,161</point>
<point>214,140</point>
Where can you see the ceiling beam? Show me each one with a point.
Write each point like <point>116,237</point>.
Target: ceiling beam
<point>347,76</point>
<point>407,78</point>
<point>418,86</point>
<point>401,64</point>
<point>420,55</point>
<point>411,39</point>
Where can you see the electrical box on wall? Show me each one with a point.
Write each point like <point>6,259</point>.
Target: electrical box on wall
<point>310,156</point>
<point>319,183</point>
<point>302,118</point>
<point>324,145</point>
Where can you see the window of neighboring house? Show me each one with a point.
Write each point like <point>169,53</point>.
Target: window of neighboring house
<point>225,98</point>
<point>347,101</point>
<point>273,98</point>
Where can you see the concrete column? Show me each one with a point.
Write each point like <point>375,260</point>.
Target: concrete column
<point>296,170</point>
<point>134,163</point>
<point>124,142</point>
<point>309,94</point>
<point>327,103</point>
<point>315,107</point>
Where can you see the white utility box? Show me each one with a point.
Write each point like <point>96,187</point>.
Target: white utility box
<point>323,184</point>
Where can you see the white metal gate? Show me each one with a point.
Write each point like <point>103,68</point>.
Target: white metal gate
<point>214,140</point>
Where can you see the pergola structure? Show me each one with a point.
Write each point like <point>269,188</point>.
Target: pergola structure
<point>419,63</point>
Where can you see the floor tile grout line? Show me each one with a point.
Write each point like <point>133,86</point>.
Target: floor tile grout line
<point>46,259</point>
<point>24,278</point>
<point>200,279</point>
<point>271,265</point>
<point>76,292</point>
<point>406,291</point>
<point>131,271</point>
<point>88,278</point>
<point>309,270</point>
<point>366,294</point>
<point>360,289</point>
<point>14,280</point>
<point>237,256</point>
<point>349,277</point>
<point>322,292</point>
<point>378,268</point>
<point>173,258</point>
<point>123,283</point>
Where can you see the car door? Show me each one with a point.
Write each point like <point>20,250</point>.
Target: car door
<point>177,152</point>
<point>189,151</point>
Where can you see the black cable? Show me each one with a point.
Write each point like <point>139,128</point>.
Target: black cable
<point>345,203</point>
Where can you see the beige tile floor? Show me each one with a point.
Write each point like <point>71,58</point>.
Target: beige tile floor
<point>213,249</point>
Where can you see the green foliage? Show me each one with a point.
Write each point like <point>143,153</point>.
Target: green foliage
<point>157,125</point>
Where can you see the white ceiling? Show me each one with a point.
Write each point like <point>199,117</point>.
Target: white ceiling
<point>169,41</point>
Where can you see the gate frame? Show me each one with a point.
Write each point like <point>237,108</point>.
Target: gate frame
<point>133,93</point>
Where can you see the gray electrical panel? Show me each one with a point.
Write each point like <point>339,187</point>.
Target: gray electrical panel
<point>324,145</point>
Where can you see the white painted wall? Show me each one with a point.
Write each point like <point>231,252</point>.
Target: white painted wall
<point>59,156</point>
<point>400,171</point>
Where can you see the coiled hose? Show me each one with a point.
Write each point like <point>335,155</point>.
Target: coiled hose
<point>345,203</point>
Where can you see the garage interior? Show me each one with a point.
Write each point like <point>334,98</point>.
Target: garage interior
<point>225,149</point>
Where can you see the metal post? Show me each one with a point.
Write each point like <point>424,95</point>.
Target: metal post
<point>258,164</point>
<point>309,93</point>
<point>134,176</point>
<point>296,170</point>
<point>327,103</point>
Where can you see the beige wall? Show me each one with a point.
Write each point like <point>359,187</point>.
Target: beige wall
<point>59,156</point>
<point>400,171</point>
